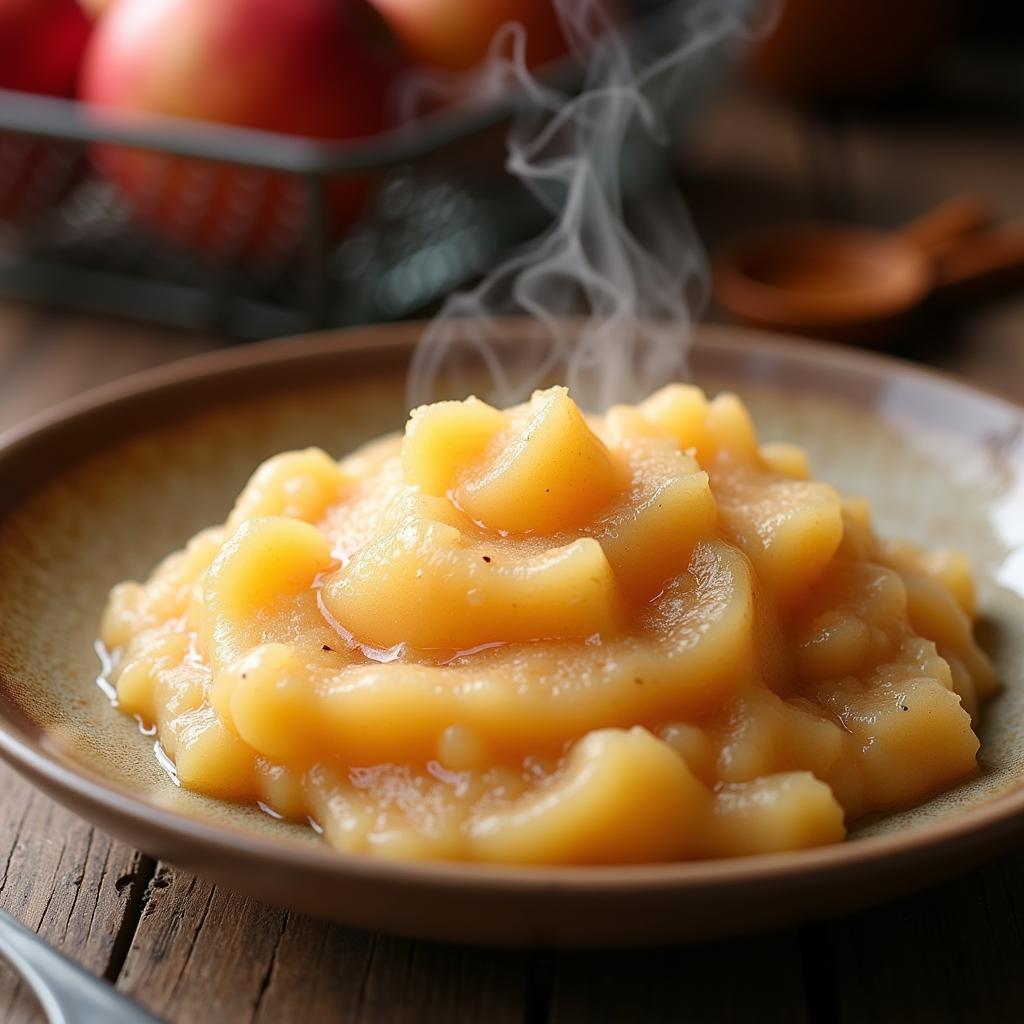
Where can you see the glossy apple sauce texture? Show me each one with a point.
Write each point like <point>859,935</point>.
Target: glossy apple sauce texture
<point>534,636</point>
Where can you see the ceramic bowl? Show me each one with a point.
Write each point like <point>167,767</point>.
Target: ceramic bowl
<point>101,488</point>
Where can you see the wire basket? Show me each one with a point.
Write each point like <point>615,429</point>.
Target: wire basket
<point>442,210</point>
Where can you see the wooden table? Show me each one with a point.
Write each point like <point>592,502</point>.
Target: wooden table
<point>193,952</point>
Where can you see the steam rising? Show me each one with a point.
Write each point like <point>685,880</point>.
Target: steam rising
<point>610,292</point>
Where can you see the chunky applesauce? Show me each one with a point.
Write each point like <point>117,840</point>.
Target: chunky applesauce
<point>535,636</point>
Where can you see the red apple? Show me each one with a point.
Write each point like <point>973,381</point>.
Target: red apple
<point>41,44</point>
<point>96,7</point>
<point>314,68</point>
<point>455,34</point>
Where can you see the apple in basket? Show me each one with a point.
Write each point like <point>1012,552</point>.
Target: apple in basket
<point>41,45</point>
<point>320,69</point>
<point>455,35</point>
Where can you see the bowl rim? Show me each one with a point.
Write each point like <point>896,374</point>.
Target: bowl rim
<point>980,828</point>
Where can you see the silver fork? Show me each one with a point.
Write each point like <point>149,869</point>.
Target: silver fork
<point>67,993</point>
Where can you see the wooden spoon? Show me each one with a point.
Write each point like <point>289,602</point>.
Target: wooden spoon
<point>858,284</point>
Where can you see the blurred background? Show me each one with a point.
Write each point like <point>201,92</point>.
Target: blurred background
<point>178,174</point>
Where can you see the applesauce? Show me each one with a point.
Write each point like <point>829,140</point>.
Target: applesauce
<point>535,636</point>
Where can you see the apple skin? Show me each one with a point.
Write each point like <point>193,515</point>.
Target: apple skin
<point>41,43</point>
<point>96,8</point>
<point>454,35</point>
<point>321,69</point>
<point>41,46</point>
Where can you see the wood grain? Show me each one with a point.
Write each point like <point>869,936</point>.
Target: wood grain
<point>201,953</point>
<point>46,356</point>
<point>68,881</point>
<point>756,979</point>
<point>953,953</point>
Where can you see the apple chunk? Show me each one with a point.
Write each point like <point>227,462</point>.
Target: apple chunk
<point>789,529</point>
<point>261,584</point>
<point>624,796</point>
<point>547,472</point>
<point>914,738</point>
<point>650,532</point>
<point>299,485</point>
<point>441,438</point>
<point>423,585</point>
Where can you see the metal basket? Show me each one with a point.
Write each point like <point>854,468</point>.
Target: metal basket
<point>442,210</point>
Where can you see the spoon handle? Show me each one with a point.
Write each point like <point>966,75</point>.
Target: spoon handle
<point>957,216</point>
<point>988,258</point>
<point>67,993</point>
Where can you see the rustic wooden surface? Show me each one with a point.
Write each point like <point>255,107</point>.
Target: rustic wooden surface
<point>193,953</point>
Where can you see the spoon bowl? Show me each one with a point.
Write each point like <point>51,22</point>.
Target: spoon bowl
<point>840,281</point>
<point>856,284</point>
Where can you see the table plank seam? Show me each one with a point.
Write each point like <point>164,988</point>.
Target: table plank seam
<point>77,882</point>
<point>367,974</point>
<point>56,881</point>
<point>138,884</point>
<point>821,995</point>
<point>537,998</point>
<point>195,934</point>
<point>271,966</point>
<point>16,835</point>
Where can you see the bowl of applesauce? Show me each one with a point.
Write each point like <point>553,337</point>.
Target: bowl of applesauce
<point>745,652</point>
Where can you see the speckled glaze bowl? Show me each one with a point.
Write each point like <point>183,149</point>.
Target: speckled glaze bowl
<point>100,489</point>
